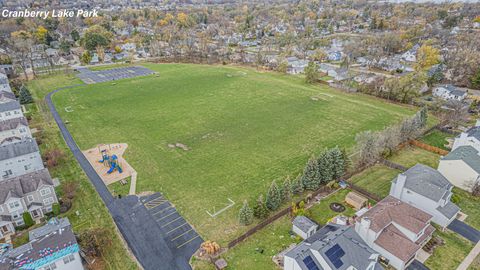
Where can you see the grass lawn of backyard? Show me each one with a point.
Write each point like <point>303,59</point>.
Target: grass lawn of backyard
<point>469,205</point>
<point>437,138</point>
<point>411,155</point>
<point>451,254</point>
<point>276,237</point>
<point>476,264</point>
<point>376,179</point>
<point>243,129</point>
<point>92,211</point>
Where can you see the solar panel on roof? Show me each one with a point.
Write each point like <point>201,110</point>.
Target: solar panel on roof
<point>310,264</point>
<point>335,254</point>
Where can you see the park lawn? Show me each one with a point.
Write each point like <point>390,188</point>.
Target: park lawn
<point>376,179</point>
<point>451,254</point>
<point>118,189</point>
<point>437,138</point>
<point>243,129</point>
<point>469,205</point>
<point>92,211</point>
<point>411,155</point>
<point>321,212</point>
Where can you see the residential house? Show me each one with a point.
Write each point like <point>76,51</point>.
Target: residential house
<point>52,246</point>
<point>461,167</point>
<point>427,189</point>
<point>332,247</point>
<point>33,192</point>
<point>4,85</point>
<point>7,70</point>
<point>14,128</point>
<point>19,158</point>
<point>470,137</point>
<point>411,55</point>
<point>9,108</point>
<point>396,230</point>
<point>449,92</point>
<point>295,65</point>
<point>334,56</point>
<point>304,227</point>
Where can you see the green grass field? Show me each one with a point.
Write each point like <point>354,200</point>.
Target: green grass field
<point>376,179</point>
<point>437,138</point>
<point>243,129</point>
<point>411,155</point>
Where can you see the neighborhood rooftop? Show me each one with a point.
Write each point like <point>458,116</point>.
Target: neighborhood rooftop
<point>426,181</point>
<point>9,106</point>
<point>340,246</point>
<point>466,153</point>
<point>13,123</point>
<point>19,186</point>
<point>20,148</point>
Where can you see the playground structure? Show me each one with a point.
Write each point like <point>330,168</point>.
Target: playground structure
<point>107,160</point>
<point>110,161</point>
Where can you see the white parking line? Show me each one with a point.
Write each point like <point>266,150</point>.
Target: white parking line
<point>188,241</point>
<point>177,227</point>
<point>178,236</point>
<point>158,220</point>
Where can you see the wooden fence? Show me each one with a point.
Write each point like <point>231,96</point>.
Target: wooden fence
<point>393,165</point>
<point>429,148</point>
<point>271,219</point>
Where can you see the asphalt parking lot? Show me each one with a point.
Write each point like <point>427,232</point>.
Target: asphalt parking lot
<point>177,232</point>
<point>89,76</point>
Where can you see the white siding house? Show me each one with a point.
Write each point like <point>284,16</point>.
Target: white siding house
<point>19,158</point>
<point>14,128</point>
<point>461,167</point>
<point>449,92</point>
<point>304,227</point>
<point>10,109</point>
<point>471,137</point>
<point>426,189</point>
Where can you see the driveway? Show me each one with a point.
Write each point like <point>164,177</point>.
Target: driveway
<point>465,230</point>
<point>416,265</point>
<point>140,230</point>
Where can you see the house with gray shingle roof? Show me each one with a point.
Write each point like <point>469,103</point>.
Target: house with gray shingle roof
<point>470,137</point>
<point>332,247</point>
<point>19,158</point>
<point>304,227</point>
<point>33,192</point>
<point>14,128</point>
<point>52,246</point>
<point>10,109</point>
<point>427,189</point>
<point>396,230</point>
<point>449,92</point>
<point>461,167</point>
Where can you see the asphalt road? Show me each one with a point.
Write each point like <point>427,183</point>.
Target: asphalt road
<point>139,229</point>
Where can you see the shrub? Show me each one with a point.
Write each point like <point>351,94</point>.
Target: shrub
<point>27,218</point>
<point>56,209</point>
<point>53,157</point>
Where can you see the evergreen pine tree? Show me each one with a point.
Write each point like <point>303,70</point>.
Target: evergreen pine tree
<point>259,209</point>
<point>297,185</point>
<point>325,166</point>
<point>245,216</point>
<point>287,189</point>
<point>311,175</point>
<point>423,117</point>
<point>337,162</point>
<point>24,95</point>
<point>346,159</point>
<point>273,199</point>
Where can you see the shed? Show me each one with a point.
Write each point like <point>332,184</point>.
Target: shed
<point>356,200</point>
<point>304,227</point>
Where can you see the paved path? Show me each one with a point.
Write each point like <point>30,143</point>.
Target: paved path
<point>136,224</point>
<point>133,183</point>
<point>470,257</point>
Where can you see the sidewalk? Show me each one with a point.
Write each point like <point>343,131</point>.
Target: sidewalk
<point>470,257</point>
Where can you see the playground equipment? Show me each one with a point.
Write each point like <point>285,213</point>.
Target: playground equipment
<point>110,161</point>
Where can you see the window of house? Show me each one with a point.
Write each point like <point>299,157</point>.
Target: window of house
<point>48,201</point>
<point>51,266</point>
<point>68,259</point>
<point>45,191</point>
<point>7,173</point>
<point>27,167</point>
<point>14,204</point>
<point>30,198</point>
<point>7,113</point>
<point>15,215</point>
